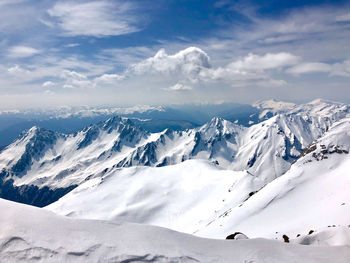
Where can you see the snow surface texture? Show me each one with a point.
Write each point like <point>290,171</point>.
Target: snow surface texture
<point>199,198</point>
<point>266,150</point>
<point>31,234</point>
<point>179,197</point>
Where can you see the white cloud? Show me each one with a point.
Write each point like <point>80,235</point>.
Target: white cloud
<point>343,18</point>
<point>10,2</point>
<point>16,69</point>
<point>341,69</point>
<point>336,69</point>
<point>188,63</point>
<point>179,87</point>
<point>75,80</point>
<point>96,18</point>
<point>47,84</point>
<point>22,51</point>
<point>109,78</point>
<point>72,45</point>
<point>267,61</point>
<point>193,65</point>
<point>309,68</point>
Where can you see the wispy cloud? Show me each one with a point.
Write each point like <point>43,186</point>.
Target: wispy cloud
<point>179,87</point>
<point>22,51</point>
<point>309,68</point>
<point>96,18</point>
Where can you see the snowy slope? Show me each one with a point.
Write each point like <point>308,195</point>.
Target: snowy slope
<point>31,234</point>
<point>269,108</point>
<point>179,197</point>
<point>330,236</point>
<point>267,149</point>
<point>316,108</point>
<point>313,194</point>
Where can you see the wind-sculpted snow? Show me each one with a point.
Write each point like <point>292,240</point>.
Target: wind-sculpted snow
<point>31,234</point>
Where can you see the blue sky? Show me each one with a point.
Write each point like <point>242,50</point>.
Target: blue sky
<point>106,52</point>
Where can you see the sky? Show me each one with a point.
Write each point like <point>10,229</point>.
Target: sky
<point>160,52</point>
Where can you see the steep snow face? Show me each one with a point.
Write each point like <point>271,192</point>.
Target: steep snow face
<point>45,158</point>
<point>313,194</point>
<point>33,144</point>
<point>267,149</point>
<point>31,234</point>
<point>177,196</point>
<point>215,141</point>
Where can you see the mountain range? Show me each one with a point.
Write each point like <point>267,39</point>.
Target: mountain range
<point>283,178</point>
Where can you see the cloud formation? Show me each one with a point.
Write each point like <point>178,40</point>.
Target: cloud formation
<point>193,65</point>
<point>267,61</point>
<point>179,87</point>
<point>22,51</point>
<point>309,68</point>
<point>105,50</point>
<point>187,63</point>
<point>96,18</point>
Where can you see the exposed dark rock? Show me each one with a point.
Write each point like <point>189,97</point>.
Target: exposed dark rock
<point>309,149</point>
<point>237,235</point>
<point>32,194</point>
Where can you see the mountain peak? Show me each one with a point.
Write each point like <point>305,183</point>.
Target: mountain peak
<point>274,104</point>
<point>322,101</point>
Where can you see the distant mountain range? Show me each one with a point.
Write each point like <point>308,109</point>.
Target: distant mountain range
<point>153,119</point>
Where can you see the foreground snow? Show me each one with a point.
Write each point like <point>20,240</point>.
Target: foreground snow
<point>31,234</point>
<point>179,196</point>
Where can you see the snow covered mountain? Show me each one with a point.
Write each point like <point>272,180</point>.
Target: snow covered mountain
<point>196,197</point>
<point>54,163</point>
<point>313,194</point>
<point>285,178</point>
<point>316,108</point>
<point>32,234</point>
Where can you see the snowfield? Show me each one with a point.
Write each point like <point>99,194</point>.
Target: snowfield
<point>31,234</point>
<point>179,197</point>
